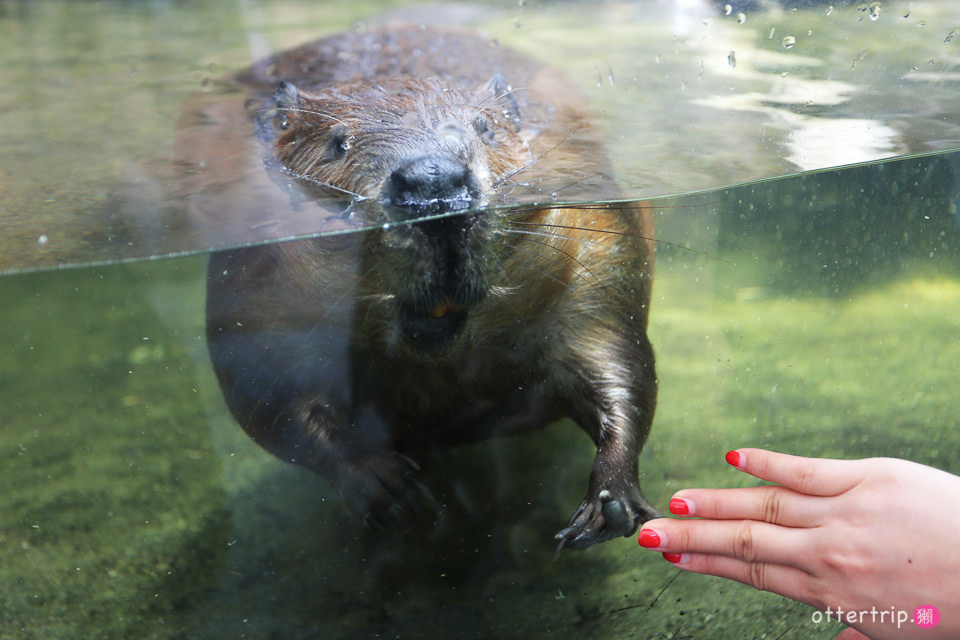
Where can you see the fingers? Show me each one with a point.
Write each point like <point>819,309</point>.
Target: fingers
<point>744,540</point>
<point>765,537</point>
<point>811,476</point>
<point>773,504</point>
<point>786,581</point>
<point>799,501</point>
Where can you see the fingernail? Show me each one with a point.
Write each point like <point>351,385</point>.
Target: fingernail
<point>675,558</point>
<point>681,506</point>
<point>648,538</point>
<point>736,459</point>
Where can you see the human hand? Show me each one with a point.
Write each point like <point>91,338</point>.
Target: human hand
<point>856,539</point>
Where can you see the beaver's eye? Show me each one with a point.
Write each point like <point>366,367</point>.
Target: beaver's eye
<point>340,141</point>
<point>484,130</point>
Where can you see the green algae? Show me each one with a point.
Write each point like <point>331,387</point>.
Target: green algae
<point>112,515</point>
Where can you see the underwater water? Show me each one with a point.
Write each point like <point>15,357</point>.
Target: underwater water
<point>136,507</point>
<point>816,313</point>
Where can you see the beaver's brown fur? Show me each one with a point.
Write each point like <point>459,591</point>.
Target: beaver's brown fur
<point>343,353</point>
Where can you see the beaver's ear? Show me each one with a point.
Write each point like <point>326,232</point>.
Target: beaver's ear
<point>503,94</point>
<point>287,98</point>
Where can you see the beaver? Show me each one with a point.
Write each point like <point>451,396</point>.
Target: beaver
<point>448,318</point>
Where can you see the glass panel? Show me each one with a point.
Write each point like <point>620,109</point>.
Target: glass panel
<point>805,310</point>
<point>815,315</point>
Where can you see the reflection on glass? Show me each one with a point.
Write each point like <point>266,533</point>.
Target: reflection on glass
<point>103,126</point>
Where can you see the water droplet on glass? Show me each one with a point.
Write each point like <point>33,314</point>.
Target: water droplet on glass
<point>829,9</point>
<point>772,29</point>
<point>788,42</point>
<point>905,13</point>
<point>951,36</point>
<point>732,60</point>
<point>860,56</point>
<point>42,240</point>
<point>874,11</point>
<point>727,9</point>
<point>741,18</point>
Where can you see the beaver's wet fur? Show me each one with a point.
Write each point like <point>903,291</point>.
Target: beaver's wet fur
<point>345,354</point>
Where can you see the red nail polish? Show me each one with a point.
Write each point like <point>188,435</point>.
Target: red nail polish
<point>733,457</point>
<point>648,538</point>
<point>672,557</point>
<point>678,506</point>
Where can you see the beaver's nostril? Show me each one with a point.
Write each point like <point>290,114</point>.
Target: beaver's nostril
<point>434,182</point>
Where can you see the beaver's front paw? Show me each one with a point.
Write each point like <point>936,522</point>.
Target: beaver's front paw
<point>605,516</point>
<point>382,489</point>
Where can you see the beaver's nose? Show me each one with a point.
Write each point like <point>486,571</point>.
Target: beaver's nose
<point>434,183</point>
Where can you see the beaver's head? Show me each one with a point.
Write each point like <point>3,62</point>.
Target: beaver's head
<point>412,149</point>
<point>406,142</point>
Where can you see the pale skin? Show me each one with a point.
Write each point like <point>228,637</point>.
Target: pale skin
<point>879,534</point>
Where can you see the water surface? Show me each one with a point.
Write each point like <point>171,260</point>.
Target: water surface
<point>97,96</point>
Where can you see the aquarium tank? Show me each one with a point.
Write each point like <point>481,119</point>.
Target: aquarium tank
<point>798,166</point>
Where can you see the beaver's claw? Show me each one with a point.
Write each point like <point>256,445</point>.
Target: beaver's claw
<point>604,518</point>
<point>383,490</point>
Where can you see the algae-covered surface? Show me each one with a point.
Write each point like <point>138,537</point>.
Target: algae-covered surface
<point>135,507</point>
<point>112,511</point>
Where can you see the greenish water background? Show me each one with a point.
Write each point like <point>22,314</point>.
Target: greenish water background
<point>817,315</point>
<point>135,507</point>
